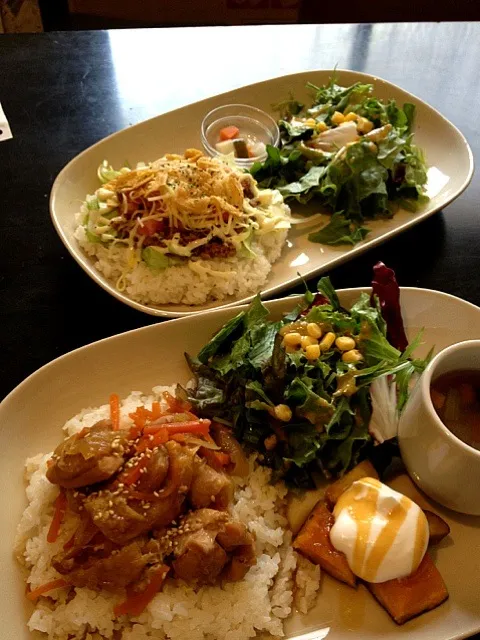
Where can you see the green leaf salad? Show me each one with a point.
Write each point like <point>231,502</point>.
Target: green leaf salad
<point>298,389</point>
<point>349,151</point>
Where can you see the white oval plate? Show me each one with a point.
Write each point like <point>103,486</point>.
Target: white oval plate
<point>32,415</point>
<point>447,151</point>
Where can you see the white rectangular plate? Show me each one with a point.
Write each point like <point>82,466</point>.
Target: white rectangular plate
<point>448,155</point>
<point>31,418</point>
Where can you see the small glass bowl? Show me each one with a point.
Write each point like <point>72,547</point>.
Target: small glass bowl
<point>258,125</point>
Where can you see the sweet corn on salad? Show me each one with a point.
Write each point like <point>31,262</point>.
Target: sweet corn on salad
<point>351,152</point>
<point>299,390</point>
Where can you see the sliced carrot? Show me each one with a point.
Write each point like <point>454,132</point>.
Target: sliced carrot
<point>45,588</point>
<point>178,437</point>
<point>156,410</point>
<point>200,426</point>
<point>153,440</point>
<point>215,459</point>
<point>134,474</point>
<point>137,602</point>
<point>438,399</point>
<point>69,544</point>
<point>135,432</point>
<point>140,416</point>
<point>174,404</point>
<point>60,505</point>
<point>229,133</point>
<point>115,411</point>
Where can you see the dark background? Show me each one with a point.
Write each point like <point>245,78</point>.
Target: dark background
<point>108,14</point>
<point>61,93</point>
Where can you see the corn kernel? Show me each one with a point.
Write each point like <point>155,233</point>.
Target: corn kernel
<point>310,122</point>
<point>321,126</point>
<point>364,125</point>
<point>344,343</point>
<point>308,341</point>
<point>314,330</point>
<point>350,117</point>
<point>327,341</point>
<point>283,412</point>
<point>337,118</point>
<point>292,339</point>
<point>312,352</point>
<point>352,357</point>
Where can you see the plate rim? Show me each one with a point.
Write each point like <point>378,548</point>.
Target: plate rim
<point>84,261</point>
<point>414,292</point>
<point>240,307</point>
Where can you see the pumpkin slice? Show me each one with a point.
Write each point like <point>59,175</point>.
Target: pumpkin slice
<point>313,541</point>
<point>405,598</point>
<point>364,469</point>
<point>437,527</point>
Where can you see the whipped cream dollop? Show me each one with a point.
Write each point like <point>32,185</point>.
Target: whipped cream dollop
<point>383,534</point>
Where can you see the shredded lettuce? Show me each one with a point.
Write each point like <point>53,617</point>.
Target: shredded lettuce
<point>92,237</point>
<point>106,172</point>
<point>154,259</point>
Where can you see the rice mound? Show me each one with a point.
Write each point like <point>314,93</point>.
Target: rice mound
<point>195,281</point>
<point>258,604</point>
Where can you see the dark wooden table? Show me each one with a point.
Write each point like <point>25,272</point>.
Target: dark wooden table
<point>64,91</point>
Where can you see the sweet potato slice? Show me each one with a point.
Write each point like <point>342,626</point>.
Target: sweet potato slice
<point>313,541</point>
<point>364,469</point>
<point>408,597</point>
<point>299,507</point>
<point>438,528</point>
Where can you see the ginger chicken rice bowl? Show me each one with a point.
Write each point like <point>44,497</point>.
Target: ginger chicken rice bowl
<point>110,505</point>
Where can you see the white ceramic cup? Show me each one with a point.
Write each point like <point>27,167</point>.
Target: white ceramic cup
<point>442,465</point>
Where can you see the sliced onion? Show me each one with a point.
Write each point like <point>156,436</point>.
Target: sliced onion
<point>229,444</point>
<point>202,443</point>
<point>174,477</point>
<point>308,220</point>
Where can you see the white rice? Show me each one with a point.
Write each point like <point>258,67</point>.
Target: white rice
<point>195,281</point>
<point>257,604</point>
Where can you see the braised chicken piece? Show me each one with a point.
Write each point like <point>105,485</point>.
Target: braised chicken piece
<point>122,511</point>
<point>210,488</point>
<point>88,457</point>
<point>145,500</point>
<point>156,470</point>
<point>210,545</point>
<point>237,541</point>
<point>101,565</point>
